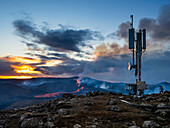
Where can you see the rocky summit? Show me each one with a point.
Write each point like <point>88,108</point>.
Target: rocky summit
<point>95,110</point>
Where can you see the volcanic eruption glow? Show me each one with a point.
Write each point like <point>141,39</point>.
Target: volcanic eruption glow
<point>78,82</point>
<point>59,93</point>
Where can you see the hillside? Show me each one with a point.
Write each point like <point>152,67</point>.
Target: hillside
<point>95,110</point>
<point>21,93</point>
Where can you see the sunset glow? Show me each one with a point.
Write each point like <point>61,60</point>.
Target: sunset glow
<point>25,69</point>
<point>16,77</point>
<point>51,63</point>
<point>20,59</point>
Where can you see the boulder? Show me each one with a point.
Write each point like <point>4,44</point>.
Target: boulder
<point>2,122</point>
<point>88,94</point>
<point>133,127</point>
<point>89,103</point>
<point>67,96</point>
<point>93,126</point>
<point>146,105</point>
<point>24,116</point>
<point>31,122</point>
<point>121,97</point>
<point>160,105</point>
<point>113,101</point>
<point>113,108</point>
<point>77,126</point>
<point>160,119</point>
<point>62,112</point>
<point>162,112</point>
<point>150,124</point>
<point>97,93</point>
<point>50,124</point>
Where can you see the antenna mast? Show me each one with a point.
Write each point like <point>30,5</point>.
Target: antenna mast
<point>140,44</point>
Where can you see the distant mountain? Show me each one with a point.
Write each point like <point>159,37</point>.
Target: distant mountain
<point>15,93</point>
<point>9,93</point>
<point>156,89</point>
<point>57,85</point>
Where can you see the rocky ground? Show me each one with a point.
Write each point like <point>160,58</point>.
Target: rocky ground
<point>95,110</point>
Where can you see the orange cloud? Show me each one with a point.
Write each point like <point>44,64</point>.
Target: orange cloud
<point>104,50</point>
<point>16,77</point>
<point>23,60</point>
<point>25,69</point>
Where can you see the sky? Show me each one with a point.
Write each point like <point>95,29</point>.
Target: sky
<point>63,38</point>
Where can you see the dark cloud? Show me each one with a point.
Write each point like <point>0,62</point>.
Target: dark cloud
<point>159,29</point>
<point>102,64</point>
<point>44,57</point>
<point>68,67</point>
<point>26,29</point>
<point>60,56</point>
<point>59,39</point>
<point>5,68</point>
<point>122,31</point>
<point>49,56</point>
<point>155,68</point>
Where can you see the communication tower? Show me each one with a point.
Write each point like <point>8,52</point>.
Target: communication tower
<point>136,45</point>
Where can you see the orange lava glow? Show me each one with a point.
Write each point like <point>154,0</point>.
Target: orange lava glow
<point>55,94</point>
<point>78,82</point>
<point>25,69</point>
<point>16,77</point>
<point>58,93</point>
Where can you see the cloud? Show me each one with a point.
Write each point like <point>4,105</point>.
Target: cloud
<point>104,50</point>
<point>155,68</point>
<point>65,44</point>
<point>58,39</point>
<point>159,28</point>
<point>122,31</point>
<point>5,68</point>
<point>68,67</point>
<point>21,60</point>
<point>17,65</point>
<point>114,48</point>
<point>109,68</point>
<point>60,56</point>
